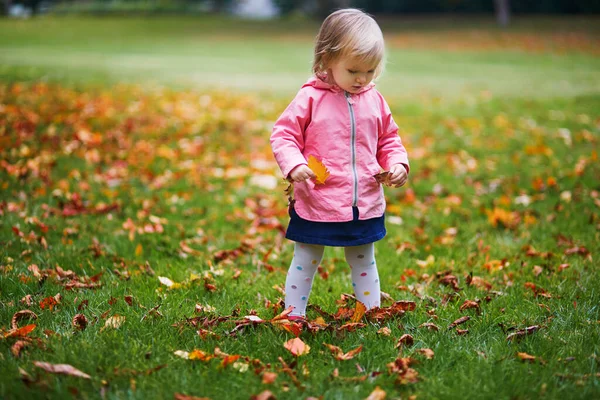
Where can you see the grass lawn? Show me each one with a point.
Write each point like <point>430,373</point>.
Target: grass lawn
<point>141,215</point>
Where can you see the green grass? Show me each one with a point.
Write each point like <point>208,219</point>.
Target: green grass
<point>173,148</point>
<point>217,52</point>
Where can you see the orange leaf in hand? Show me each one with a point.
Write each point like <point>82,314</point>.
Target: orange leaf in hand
<point>319,169</point>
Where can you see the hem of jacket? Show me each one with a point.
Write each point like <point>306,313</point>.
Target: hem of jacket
<point>360,217</point>
<point>335,243</point>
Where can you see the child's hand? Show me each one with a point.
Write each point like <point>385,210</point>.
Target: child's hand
<point>398,175</point>
<point>301,173</point>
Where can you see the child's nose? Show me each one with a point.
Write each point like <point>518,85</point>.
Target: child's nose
<point>361,79</point>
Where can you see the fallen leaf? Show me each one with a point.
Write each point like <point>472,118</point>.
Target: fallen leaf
<point>297,347</point>
<point>20,332</point>
<point>385,331</point>
<point>80,322</point>
<point>19,315</point>
<point>359,312</point>
<point>64,369</point>
<point>522,332</point>
<point>377,394</point>
<point>338,354</point>
<point>405,339</point>
<point>459,321</point>
<point>114,322</point>
<point>469,304</point>
<point>179,396</point>
<point>428,353</point>
<point>526,357</point>
<point>18,346</point>
<point>319,169</point>
<point>265,395</point>
<point>269,377</point>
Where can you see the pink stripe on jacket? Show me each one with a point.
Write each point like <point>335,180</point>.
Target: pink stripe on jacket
<point>355,137</point>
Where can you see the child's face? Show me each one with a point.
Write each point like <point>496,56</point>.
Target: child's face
<point>351,74</point>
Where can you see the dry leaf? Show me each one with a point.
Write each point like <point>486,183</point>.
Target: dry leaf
<point>338,354</point>
<point>266,395</point>
<point>269,377</point>
<point>64,369</point>
<point>385,331</point>
<point>359,312</point>
<point>469,304</point>
<point>114,322</point>
<point>405,339</point>
<point>297,347</point>
<point>179,396</point>
<point>80,322</point>
<point>20,332</point>
<point>18,346</point>
<point>377,394</point>
<point>383,178</point>
<point>319,169</point>
<point>526,357</point>
<point>428,353</point>
<point>19,315</point>
<point>459,321</point>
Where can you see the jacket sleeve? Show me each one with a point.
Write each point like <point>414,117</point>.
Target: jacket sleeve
<point>390,150</point>
<point>287,138</point>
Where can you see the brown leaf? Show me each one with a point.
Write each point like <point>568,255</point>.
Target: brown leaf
<point>269,377</point>
<point>385,331</point>
<point>80,322</point>
<point>338,354</point>
<point>64,369</point>
<point>405,339</point>
<point>469,304</point>
<point>526,357</point>
<point>18,346</point>
<point>522,332</point>
<point>377,394</point>
<point>430,326</point>
<point>459,321</point>
<point>428,353</point>
<point>179,396</point>
<point>297,347</point>
<point>114,322</point>
<point>19,315</point>
<point>265,395</point>
<point>383,178</point>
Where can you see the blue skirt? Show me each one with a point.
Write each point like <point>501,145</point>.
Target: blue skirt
<point>341,234</point>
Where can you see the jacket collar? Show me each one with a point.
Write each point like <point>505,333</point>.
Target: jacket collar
<point>321,84</point>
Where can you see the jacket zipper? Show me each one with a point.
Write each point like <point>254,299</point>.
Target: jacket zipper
<point>353,150</point>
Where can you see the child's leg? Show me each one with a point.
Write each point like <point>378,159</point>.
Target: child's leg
<point>365,279</point>
<point>298,283</point>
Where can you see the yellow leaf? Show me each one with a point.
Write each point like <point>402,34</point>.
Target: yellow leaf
<point>138,250</point>
<point>319,169</point>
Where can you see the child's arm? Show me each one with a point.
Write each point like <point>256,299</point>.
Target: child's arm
<point>391,154</point>
<point>287,138</point>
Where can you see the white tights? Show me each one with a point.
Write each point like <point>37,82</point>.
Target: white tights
<point>307,257</point>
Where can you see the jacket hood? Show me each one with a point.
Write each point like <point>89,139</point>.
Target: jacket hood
<point>321,84</point>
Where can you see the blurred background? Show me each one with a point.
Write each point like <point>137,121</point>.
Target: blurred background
<point>442,48</point>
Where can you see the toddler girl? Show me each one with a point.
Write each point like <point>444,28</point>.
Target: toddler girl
<point>339,118</point>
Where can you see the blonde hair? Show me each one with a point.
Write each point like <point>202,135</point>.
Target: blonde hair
<point>348,33</point>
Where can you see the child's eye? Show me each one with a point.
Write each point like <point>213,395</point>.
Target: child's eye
<point>352,72</point>
<point>371,71</point>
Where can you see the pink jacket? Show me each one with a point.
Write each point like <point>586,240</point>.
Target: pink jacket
<point>354,135</point>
